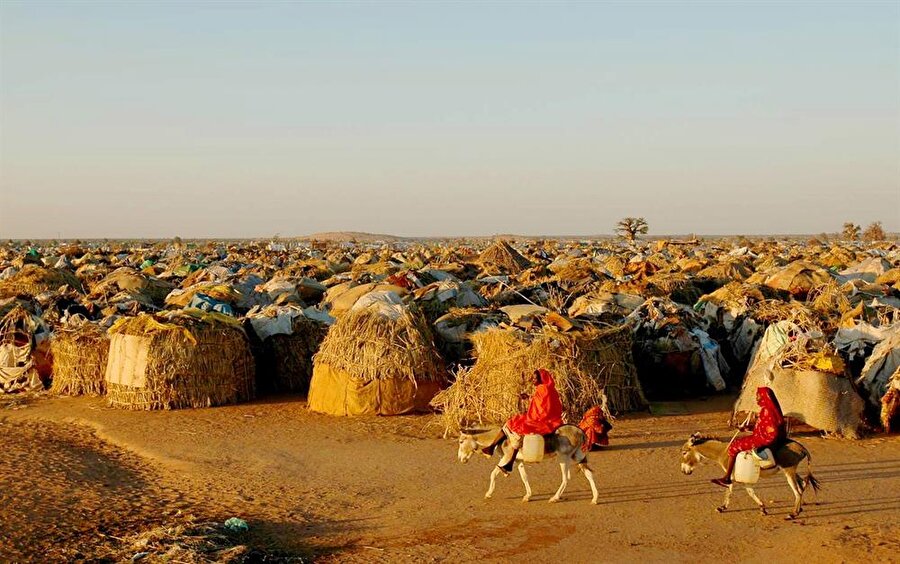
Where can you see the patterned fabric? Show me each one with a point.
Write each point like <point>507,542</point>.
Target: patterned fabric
<point>544,413</point>
<point>595,427</point>
<point>769,427</point>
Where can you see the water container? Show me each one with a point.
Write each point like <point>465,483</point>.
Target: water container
<point>533,448</point>
<point>764,458</point>
<point>746,468</point>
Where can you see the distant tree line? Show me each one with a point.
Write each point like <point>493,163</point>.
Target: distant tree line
<point>853,232</point>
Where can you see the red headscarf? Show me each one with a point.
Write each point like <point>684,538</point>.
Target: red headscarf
<point>544,413</point>
<point>767,401</point>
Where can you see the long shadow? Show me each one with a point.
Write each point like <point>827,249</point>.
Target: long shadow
<point>853,507</point>
<point>640,446</point>
<point>292,537</point>
<point>860,463</point>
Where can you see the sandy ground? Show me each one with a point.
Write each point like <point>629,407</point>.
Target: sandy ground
<point>75,475</point>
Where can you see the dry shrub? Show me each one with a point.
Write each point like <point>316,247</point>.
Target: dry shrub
<point>594,367</point>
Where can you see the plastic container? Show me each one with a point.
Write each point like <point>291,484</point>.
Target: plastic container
<point>746,468</point>
<point>533,448</point>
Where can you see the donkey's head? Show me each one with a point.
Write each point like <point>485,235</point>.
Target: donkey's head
<point>468,446</point>
<point>690,456</point>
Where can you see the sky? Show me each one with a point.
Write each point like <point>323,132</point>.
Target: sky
<point>231,119</point>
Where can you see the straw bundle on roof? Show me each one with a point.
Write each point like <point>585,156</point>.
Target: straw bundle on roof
<point>772,311</point>
<point>830,302</point>
<point>33,280</point>
<point>594,367</point>
<point>80,353</point>
<point>185,359</point>
<point>370,363</point>
<point>502,257</point>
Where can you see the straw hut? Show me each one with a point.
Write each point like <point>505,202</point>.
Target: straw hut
<point>33,280</point>
<point>284,341</point>
<point>807,378</point>
<point>80,353</point>
<point>182,359</point>
<point>376,360</point>
<point>592,367</point>
<point>18,362</point>
<point>798,278</point>
<point>501,257</point>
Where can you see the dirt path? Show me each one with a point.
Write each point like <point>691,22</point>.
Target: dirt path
<point>369,489</point>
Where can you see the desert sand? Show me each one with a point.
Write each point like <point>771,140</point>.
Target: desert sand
<point>77,476</point>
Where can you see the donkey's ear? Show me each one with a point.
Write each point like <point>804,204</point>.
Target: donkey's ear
<point>694,437</point>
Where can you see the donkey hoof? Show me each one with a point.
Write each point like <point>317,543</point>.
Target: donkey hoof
<point>595,501</point>
<point>526,499</point>
<point>763,512</point>
<point>721,509</point>
<point>487,496</point>
<point>553,499</point>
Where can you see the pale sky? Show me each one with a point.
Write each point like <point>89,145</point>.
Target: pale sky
<point>211,119</point>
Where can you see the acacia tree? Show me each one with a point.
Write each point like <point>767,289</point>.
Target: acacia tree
<point>874,232</point>
<point>631,227</point>
<point>850,231</point>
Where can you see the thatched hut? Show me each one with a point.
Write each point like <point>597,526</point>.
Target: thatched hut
<point>376,361</point>
<point>19,369</point>
<point>33,280</point>
<point>592,367</point>
<point>181,359</point>
<point>284,342</point>
<point>502,258</point>
<point>798,278</point>
<point>80,353</point>
<point>808,380</point>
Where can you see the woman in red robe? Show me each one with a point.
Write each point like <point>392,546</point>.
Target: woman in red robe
<point>769,429</point>
<point>543,417</point>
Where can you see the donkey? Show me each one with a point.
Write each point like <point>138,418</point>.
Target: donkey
<point>564,444</point>
<point>787,458</point>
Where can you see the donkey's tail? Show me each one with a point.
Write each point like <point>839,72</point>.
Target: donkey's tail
<point>810,480</point>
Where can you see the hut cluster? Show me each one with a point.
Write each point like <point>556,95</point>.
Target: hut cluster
<point>392,327</point>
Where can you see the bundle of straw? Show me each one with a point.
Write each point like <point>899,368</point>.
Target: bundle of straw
<point>79,355</point>
<point>190,359</point>
<point>594,367</point>
<point>831,304</point>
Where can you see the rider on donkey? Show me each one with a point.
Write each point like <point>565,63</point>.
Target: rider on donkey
<point>543,417</point>
<point>769,430</point>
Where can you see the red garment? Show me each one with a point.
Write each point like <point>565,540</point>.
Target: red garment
<point>595,427</point>
<point>544,413</point>
<point>769,426</point>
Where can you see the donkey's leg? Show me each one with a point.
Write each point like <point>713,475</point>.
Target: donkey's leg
<point>797,488</point>
<point>589,474</point>
<point>564,468</point>
<point>753,496</point>
<point>724,506</point>
<point>494,473</point>
<point>525,481</point>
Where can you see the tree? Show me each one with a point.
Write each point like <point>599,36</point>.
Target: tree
<point>874,232</point>
<point>850,231</point>
<point>631,227</point>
